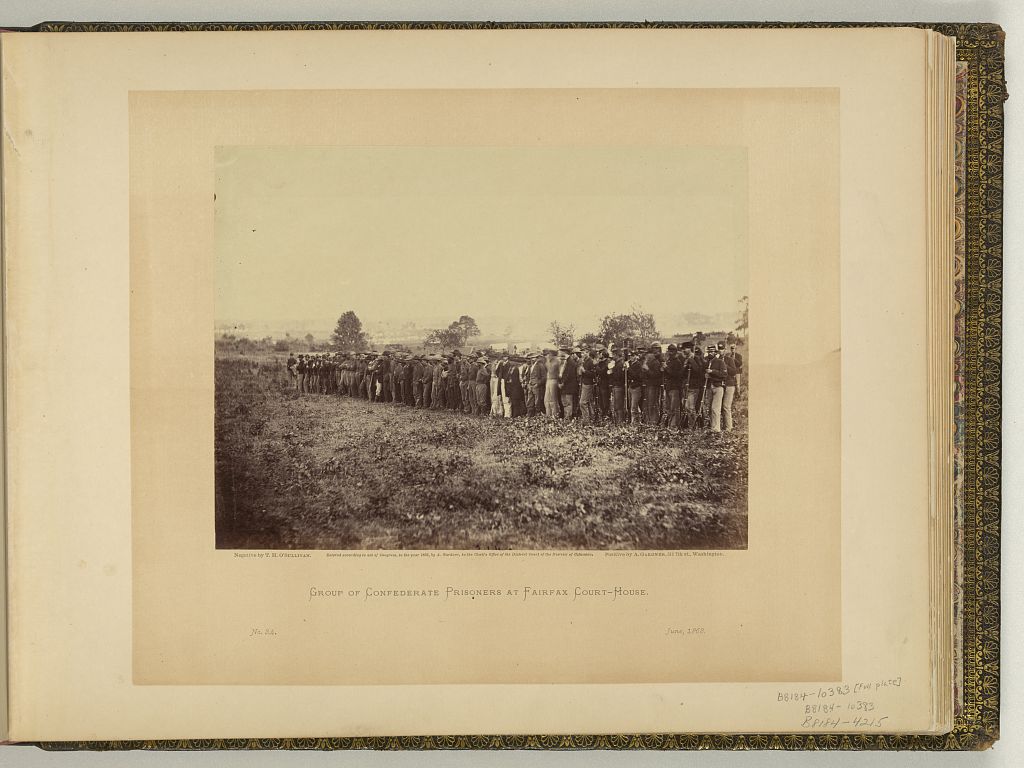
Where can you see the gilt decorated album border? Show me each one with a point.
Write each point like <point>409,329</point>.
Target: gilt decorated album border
<point>978,407</point>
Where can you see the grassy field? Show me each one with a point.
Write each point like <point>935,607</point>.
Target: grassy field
<point>329,472</point>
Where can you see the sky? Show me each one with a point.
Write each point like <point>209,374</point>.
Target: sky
<point>516,235</point>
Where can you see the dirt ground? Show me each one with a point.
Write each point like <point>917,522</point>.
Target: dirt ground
<point>332,472</point>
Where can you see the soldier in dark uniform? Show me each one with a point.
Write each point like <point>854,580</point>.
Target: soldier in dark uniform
<point>653,376</point>
<point>615,369</point>
<point>455,383</point>
<point>360,378</point>
<point>568,383</point>
<point>603,385</point>
<point>737,361</point>
<point>293,377</point>
<point>537,383</point>
<point>716,376</point>
<point>482,390</point>
<point>427,382</point>
<point>416,367</point>
<point>372,378</point>
<point>408,381</point>
<point>441,373</point>
<point>300,369</point>
<point>331,375</point>
<point>693,383</point>
<point>311,377</point>
<point>438,399</point>
<point>673,386</point>
<point>588,386</point>
<point>635,385</point>
<point>513,388</point>
<point>497,385</point>
<point>347,374</point>
<point>398,381</point>
<point>468,386</point>
<point>730,385</point>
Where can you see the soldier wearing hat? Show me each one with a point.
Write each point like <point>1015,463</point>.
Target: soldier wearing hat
<point>568,383</point>
<point>312,382</point>
<point>537,382</point>
<point>717,372</point>
<point>603,384</point>
<point>467,385</point>
<point>447,378</point>
<point>362,367</point>
<point>673,386</point>
<point>293,377</point>
<point>551,395</point>
<point>505,366</point>
<point>437,398</point>
<point>427,380</point>
<point>408,380</point>
<point>344,369</point>
<point>348,375</point>
<point>635,385</point>
<point>653,377</point>
<point>525,365</point>
<point>588,386</point>
<point>394,384</point>
<point>417,381</point>
<point>615,369</point>
<point>730,385</point>
<point>512,388</point>
<point>481,392</point>
<point>693,383</point>
<point>300,370</point>
<point>576,353</point>
<point>496,369</point>
<point>454,392</point>
<point>440,396</point>
<point>372,364</point>
<point>737,362</point>
<point>385,367</point>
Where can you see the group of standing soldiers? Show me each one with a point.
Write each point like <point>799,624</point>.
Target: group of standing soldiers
<point>682,388</point>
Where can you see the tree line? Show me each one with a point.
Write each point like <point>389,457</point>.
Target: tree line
<point>635,328</point>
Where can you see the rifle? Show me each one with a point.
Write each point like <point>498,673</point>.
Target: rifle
<point>686,391</point>
<point>702,421</point>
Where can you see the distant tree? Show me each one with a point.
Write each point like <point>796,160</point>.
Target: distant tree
<point>457,334</point>
<point>309,341</point>
<point>590,340</point>
<point>638,327</point>
<point>698,339</point>
<point>466,327</point>
<point>445,337</point>
<point>644,327</point>
<point>283,345</point>
<point>240,344</point>
<point>349,335</point>
<point>744,322</point>
<point>615,329</point>
<point>561,335</point>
